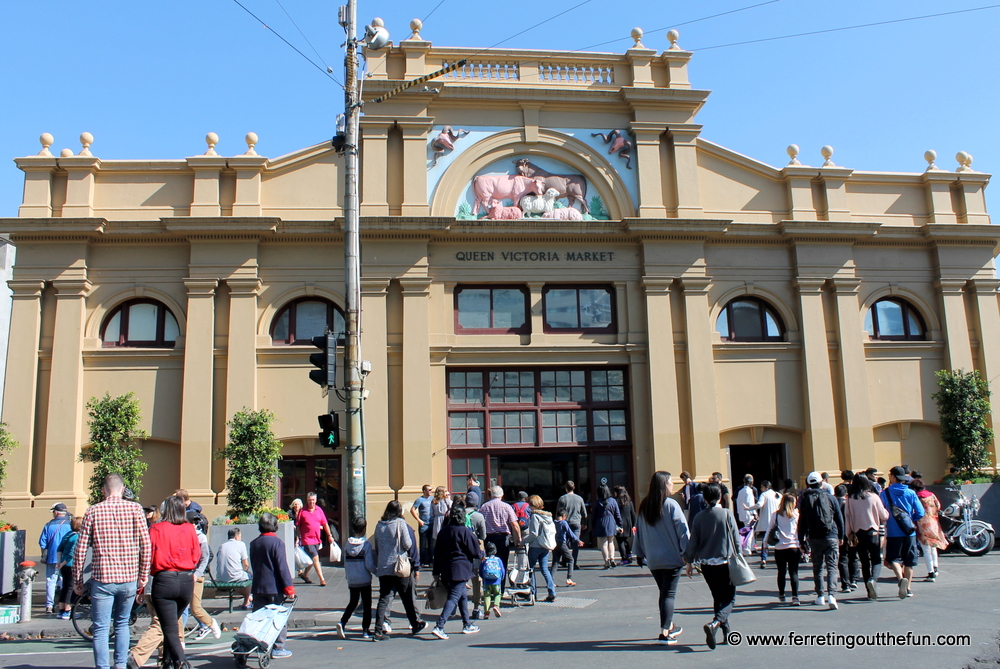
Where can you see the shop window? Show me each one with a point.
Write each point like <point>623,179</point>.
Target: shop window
<point>491,309</point>
<point>564,386</point>
<point>512,427</point>
<point>609,425</point>
<point>466,428</point>
<point>141,323</point>
<point>564,427</point>
<point>608,386</point>
<point>579,309</point>
<point>750,319</point>
<point>894,319</point>
<point>512,387</point>
<point>302,319</point>
<point>465,387</point>
<point>460,470</point>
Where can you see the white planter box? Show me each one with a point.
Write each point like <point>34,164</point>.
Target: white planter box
<point>11,555</point>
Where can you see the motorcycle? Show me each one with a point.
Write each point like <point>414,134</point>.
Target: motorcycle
<point>974,537</point>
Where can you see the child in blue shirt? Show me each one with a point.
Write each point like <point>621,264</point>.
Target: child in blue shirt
<point>566,540</point>
<point>493,572</point>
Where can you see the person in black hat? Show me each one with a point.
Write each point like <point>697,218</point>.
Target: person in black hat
<point>901,541</point>
<point>52,535</point>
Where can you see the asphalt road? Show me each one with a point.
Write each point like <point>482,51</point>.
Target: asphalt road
<point>612,612</point>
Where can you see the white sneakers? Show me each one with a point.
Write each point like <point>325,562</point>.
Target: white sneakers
<point>904,587</point>
<point>216,630</point>
<point>821,600</point>
<point>832,601</point>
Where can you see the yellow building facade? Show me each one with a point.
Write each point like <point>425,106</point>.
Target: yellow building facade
<point>561,279</point>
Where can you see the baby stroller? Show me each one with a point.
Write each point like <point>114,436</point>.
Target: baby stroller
<point>258,633</point>
<point>519,578</point>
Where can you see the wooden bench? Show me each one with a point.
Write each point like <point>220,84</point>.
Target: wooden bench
<point>228,586</point>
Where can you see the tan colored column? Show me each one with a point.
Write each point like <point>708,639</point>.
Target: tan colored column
<point>860,443</point>
<point>989,346</point>
<point>701,372</point>
<point>248,181</point>
<point>21,386</point>
<point>821,450</point>
<point>63,473</point>
<point>956,324</point>
<point>800,195</point>
<point>937,185</point>
<point>81,173</point>
<point>199,384</point>
<point>835,183</point>
<point>974,197</point>
<point>241,355</point>
<point>37,200</point>
<point>686,171</point>
<point>418,448</point>
<point>535,312</point>
<point>415,132</point>
<point>374,182</point>
<point>647,149</point>
<point>376,407</point>
<point>205,196</point>
<point>641,58</point>
<point>664,412</point>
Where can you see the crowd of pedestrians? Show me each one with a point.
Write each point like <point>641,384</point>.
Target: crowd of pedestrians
<point>847,533</point>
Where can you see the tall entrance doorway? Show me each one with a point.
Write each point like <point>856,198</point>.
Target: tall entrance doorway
<point>762,461</point>
<point>320,474</point>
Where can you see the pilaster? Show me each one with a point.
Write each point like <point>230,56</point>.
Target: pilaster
<point>198,390</point>
<point>988,325</point>
<point>642,71</point>
<point>418,447</point>
<point>648,168</point>
<point>375,149</point>
<point>835,182</point>
<point>663,402</point>
<point>940,207</point>
<point>859,444</point>
<point>820,449</point>
<point>415,132</point>
<point>798,179</point>
<point>376,406</point>
<point>205,200</point>
<point>707,455</point>
<point>415,51</point>
<point>686,170</point>
<point>241,354</point>
<point>37,199</point>
<point>956,323</point>
<point>248,178</point>
<point>81,172</point>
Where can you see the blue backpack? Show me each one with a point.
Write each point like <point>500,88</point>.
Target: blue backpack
<point>492,568</point>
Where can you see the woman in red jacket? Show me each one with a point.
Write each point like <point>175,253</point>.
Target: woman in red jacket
<point>175,555</point>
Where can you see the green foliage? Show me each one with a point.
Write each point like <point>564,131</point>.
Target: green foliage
<point>597,210</point>
<point>7,444</point>
<point>251,461</point>
<point>465,211</point>
<point>113,449</point>
<point>963,403</point>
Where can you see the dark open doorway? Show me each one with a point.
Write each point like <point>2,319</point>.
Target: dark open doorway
<point>765,462</point>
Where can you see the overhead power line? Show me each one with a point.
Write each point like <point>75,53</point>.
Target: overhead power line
<point>321,59</point>
<point>862,25</point>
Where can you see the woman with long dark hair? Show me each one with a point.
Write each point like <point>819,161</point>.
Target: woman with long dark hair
<point>864,514</point>
<point>391,540</point>
<point>627,510</point>
<point>175,554</point>
<point>661,536</point>
<point>713,537</point>
<point>607,525</point>
<point>454,550</point>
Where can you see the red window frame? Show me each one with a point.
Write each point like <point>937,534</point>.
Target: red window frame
<point>524,329</point>
<point>124,309</point>
<point>763,310</point>
<point>908,310</point>
<point>331,311</point>
<point>611,328</point>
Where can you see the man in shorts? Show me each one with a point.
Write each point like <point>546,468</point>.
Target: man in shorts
<point>900,545</point>
<point>311,523</point>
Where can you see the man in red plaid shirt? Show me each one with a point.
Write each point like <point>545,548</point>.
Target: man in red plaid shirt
<point>115,531</point>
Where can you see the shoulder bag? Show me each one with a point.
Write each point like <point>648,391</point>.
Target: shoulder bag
<point>402,567</point>
<point>901,516</point>
<point>740,572</point>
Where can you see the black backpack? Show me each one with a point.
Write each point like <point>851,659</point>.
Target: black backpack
<point>820,513</point>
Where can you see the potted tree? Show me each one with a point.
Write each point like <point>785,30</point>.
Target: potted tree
<point>11,539</point>
<point>252,453</point>
<point>114,443</point>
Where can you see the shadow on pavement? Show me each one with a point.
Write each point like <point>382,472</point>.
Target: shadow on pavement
<point>590,646</point>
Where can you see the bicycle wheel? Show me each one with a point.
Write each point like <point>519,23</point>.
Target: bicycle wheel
<point>80,615</point>
<point>140,614</point>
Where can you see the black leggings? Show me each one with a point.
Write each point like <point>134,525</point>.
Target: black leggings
<point>723,590</point>
<point>870,552</point>
<point>364,594</point>
<point>666,581</point>
<point>624,545</point>
<point>172,591</point>
<point>66,593</point>
<point>787,560</point>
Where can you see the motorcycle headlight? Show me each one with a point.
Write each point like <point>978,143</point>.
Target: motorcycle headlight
<point>975,505</point>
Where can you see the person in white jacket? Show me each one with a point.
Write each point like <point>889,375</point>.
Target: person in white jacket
<point>766,506</point>
<point>746,498</point>
<point>541,541</point>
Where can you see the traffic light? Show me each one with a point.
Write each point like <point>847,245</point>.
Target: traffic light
<point>325,361</point>
<point>329,423</point>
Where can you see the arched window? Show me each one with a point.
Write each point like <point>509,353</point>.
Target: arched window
<point>750,319</point>
<point>894,319</point>
<point>140,323</point>
<point>300,320</point>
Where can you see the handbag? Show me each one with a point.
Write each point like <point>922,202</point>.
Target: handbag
<point>740,572</point>
<point>436,595</point>
<point>402,566</point>
<point>772,536</point>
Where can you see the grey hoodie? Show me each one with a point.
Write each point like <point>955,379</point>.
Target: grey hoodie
<point>359,562</point>
<point>389,541</point>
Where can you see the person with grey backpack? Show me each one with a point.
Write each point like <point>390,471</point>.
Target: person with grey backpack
<point>905,510</point>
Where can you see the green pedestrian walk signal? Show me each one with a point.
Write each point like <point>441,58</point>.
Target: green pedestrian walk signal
<point>329,423</point>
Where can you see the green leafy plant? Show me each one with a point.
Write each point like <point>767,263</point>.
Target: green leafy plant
<point>7,444</point>
<point>251,461</point>
<point>963,402</point>
<point>114,437</point>
<point>597,210</point>
<point>464,211</point>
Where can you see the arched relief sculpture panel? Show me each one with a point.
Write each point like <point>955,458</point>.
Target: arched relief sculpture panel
<point>558,177</point>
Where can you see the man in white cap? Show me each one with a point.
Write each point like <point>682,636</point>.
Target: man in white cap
<point>821,521</point>
<point>52,535</point>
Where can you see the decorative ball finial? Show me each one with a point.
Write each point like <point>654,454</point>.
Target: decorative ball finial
<point>86,139</point>
<point>211,139</point>
<point>637,36</point>
<point>672,37</point>
<point>66,153</point>
<point>827,153</point>
<point>415,26</point>
<point>964,161</point>
<point>930,156</point>
<point>251,140</point>
<point>793,153</point>
<point>46,141</point>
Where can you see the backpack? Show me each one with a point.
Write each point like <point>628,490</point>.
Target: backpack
<point>523,513</point>
<point>821,519</point>
<point>492,569</point>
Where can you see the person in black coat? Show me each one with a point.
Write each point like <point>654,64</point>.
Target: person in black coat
<point>627,510</point>
<point>454,550</point>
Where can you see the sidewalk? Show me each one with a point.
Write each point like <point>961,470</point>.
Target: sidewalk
<point>315,607</point>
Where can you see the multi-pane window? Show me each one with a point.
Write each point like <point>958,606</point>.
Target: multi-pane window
<point>460,470</point>
<point>531,407</point>
<point>301,320</point>
<point>749,319</point>
<point>579,308</point>
<point>491,309</point>
<point>140,323</point>
<point>894,319</point>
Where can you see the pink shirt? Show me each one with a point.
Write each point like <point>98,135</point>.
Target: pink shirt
<point>310,526</point>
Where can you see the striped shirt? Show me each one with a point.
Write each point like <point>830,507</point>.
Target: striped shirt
<point>498,515</point>
<point>115,530</point>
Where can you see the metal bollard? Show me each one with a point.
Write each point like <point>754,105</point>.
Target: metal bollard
<point>26,577</point>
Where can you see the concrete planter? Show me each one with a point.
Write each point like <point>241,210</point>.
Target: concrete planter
<point>11,555</point>
<point>219,534</point>
<point>987,493</point>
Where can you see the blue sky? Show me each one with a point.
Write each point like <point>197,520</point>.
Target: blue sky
<point>149,80</point>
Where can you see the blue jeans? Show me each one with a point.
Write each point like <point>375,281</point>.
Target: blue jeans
<point>111,602</point>
<point>426,545</point>
<point>51,583</point>
<point>457,598</point>
<point>541,556</point>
